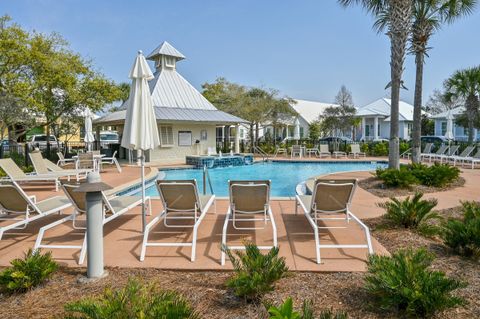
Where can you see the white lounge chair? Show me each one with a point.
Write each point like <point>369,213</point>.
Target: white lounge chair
<point>181,201</point>
<point>356,152</point>
<point>17,175</point>
<point>296,151</point>
<point>248,200</point>
<point>324,151</point>
<point>280,150</point>
<point>473,159</point>
<point>462,156</point>
<point>331,198</point>
<point>62,161</point>
<point>41,168</point>
<point>338,154</point>
<point>314,150</point>
<point>112,208</point>
<point>17,206</point>
<point>427,151</point>
<point>52,167</point>
<point>452,151</point>
<point>441,151</point>
<point>112,161</point>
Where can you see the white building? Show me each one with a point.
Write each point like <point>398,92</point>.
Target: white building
<point>187,121</point>
<point>376,120</point>
<point>460,133</point>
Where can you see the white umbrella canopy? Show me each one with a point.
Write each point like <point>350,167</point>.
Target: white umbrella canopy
<point>89,138</point>
<point>140,131</point>
<point>296,131</point>
<point>449,132</point>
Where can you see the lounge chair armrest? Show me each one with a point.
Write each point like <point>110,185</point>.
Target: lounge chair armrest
<point>33,198</point>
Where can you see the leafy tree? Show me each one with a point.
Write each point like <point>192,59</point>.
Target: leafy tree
<point>466,84</point>
<point>438,102</point>
<point>428,17</point>
<point>394,16</point>
<point>314,130</point>
<point>124,88</point>
<point>336,119</point>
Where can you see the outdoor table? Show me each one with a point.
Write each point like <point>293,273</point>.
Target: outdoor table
<point>303,151</point>
<point>97,159</point>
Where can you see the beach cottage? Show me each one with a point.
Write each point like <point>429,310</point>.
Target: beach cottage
<point>187,122</point>
<point>460,133</point>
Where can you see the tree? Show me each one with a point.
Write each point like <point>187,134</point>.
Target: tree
<point>314,131</point>
<point>124,88</point>
<point>438,103</point>
<point>466,84</point>
<point>394,16</point>
<point>49,79</point>
<point>335,120</point>
<point>428,16</point>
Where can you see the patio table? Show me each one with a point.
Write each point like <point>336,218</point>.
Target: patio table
<point>97,161</point>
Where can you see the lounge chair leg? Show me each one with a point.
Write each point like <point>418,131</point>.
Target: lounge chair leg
<point>224,236</point>
<point>317,245</point>
<point>274,227</point>
<point>81,259</point>
<point>145,235</point>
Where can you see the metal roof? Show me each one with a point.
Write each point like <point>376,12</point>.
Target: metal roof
<point>170,89</point>
<point>455,112</point>
<point>311,110</point>
<point>169,114</point>
<point>381,107</point>
<point>165,49</point>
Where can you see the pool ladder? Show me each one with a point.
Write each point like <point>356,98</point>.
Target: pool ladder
<point>258,150</point>
<point>206,178</point>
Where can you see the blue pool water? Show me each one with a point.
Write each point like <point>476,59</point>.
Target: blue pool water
<point>284,175</point>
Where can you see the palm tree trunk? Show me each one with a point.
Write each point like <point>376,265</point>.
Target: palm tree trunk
<point>398,32</point>
<point>471,105</point>
<point>417,108</point>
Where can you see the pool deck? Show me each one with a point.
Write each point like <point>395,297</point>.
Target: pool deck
<point>123,236</point>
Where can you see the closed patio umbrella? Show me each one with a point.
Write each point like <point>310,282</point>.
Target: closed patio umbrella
<point>296,131</point>
<point>140,132</point>
<point>89,138</point>
<point>449,132</point>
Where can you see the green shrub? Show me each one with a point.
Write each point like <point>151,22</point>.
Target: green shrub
<point>364,148</point>
<point>463,236</point>
<point>26,273</point>
<point>286,311</point>
<point>404,146</point>
<point>404,283</point>
<point>380,149</point>
<point>440,175</point>
<point>391,177</point>
<point>135,300</point>
<point>411,213</point>
<point>255,273</point>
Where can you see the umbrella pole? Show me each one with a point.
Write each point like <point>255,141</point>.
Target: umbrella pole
<point>142,161</point>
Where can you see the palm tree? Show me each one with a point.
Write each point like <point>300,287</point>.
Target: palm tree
<point>466,84</point>
<point>428,16</point>
<point>394,16</point>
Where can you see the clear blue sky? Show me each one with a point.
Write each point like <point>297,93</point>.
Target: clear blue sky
<point>305,49</point>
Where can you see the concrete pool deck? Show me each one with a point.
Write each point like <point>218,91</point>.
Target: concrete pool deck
<point>123,236</point>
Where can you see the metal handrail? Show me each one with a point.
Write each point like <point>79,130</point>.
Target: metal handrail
<point>206,177</point>
<point>261,152</point>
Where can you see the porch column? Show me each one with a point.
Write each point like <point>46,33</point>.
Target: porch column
<point>237,138</point>
<point>375,128</point>
<point>364,129</point>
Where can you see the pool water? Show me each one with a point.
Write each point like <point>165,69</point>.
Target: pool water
<point>285,176</point>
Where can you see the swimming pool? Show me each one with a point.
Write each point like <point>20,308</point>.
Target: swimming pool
<point>285,176</point>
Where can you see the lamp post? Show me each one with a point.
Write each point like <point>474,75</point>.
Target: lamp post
<point>94,203</point>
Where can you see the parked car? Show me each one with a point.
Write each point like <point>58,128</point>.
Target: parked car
<point>108,137</point>
<point>40,141</point>
<point>433,139</point>
<point>337,139</point>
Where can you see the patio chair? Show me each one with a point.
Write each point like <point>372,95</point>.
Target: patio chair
<point>427,151</point>
<point>110,160</point>
<point>452,150</point>
<point>112,208</point>
<point>62,161</point>
<point>473,159</point>
<point>296,151</point>
<point>181,202</point>
<point>52,167</point>
<point>463,155</point>
<point>331,198</point>
<point>85,161</point>
<point>441,151</point>
<point>17,206</point>
<point>40,167</point>
<point>338,154</point>
<point>248,200</point>
<point>15,174</point>
<point>324,150</point>
<point>356,152</point>
<point>280,150</point>
<point>314,150</point>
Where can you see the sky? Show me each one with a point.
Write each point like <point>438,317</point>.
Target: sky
<point>306,49</point>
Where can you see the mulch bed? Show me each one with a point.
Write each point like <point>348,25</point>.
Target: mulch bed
<point>207,293</point>
<point>378,188</point>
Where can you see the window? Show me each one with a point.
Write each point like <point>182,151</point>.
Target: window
<point>184,138</point>
<point>409,129</point>
<point>301,132</point>
<point>444,128</point>
<point>166,136</point>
